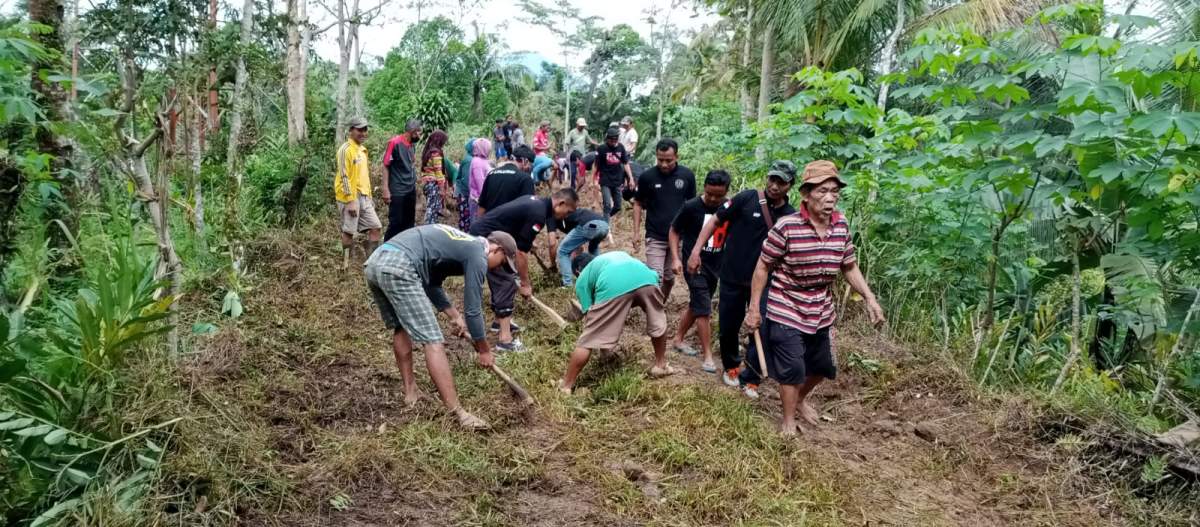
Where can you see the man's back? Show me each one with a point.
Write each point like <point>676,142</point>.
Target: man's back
<point>503,185</point>
<point>401,177</point>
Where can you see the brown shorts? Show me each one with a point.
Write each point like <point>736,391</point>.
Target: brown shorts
<point>364,221</point>
<point>603,323</point>
<point>658,254</point>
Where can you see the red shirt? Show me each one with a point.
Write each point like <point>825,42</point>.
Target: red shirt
<point>805,266</point>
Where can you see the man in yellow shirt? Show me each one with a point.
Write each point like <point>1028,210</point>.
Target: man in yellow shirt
<point>352,189</point>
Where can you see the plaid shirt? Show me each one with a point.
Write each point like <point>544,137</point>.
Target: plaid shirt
<point>805,266</point>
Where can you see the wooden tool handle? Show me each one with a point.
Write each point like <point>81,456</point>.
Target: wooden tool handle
<point>762,358</point>
<point>550,312</point>
<point>517,389</point>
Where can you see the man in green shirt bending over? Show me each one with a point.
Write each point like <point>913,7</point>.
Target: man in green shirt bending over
<point>609,286</point>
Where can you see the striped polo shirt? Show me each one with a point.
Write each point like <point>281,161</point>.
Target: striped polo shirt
<point>805,266</point>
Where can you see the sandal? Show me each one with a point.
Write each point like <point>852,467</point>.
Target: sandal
<point>686,349</point>
<point>709,367</point>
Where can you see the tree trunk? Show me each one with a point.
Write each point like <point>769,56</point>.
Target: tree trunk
<point>214,122</point>
<point>52,99</point>
<point>1180,344</point>
<point>195,156</point>
<point>593,79</point>
<point>889,55</point>
<point>297,71</point>
<point>766,68</point>
<point>346,14</point>
<point>1076,309</point>
<point>237,103</point>
<point>357,75</point>
<point>747,48</point>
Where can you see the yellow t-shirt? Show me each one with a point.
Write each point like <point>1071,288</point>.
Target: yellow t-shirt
<point>353,177</point>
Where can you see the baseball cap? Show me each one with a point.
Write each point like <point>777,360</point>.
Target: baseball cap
<point>508,245</point>
<point>612,132</point>
<point>782,169</point>
<point>820,171</point>
<point>581,122</point>
<point>627,120</point>
<point>357,122</point>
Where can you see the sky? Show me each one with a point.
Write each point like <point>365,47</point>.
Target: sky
<point>503,18</point>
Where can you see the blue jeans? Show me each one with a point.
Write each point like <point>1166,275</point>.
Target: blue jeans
<point>590,233</point>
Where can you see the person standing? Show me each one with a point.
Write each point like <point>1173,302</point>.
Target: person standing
<point>516,138</point>
<point>611,167</point>
<point>541,139</point>
<point>584,226</point>
<point>661,192</point>
<point>523,218</point>
<point>479,171</point>
<point>629,136</point>
<point>400,193</point>
<point>500,139</point>
<point>405,276</point>
<point>462,186</point>
<point>508,181</point>
<point>801,258</point>
<point>433,176</point>
<point>609,286</point>
<point>747,217</point>
<point>703,283</point>
<point>352,190</point>
<point>577,141</point>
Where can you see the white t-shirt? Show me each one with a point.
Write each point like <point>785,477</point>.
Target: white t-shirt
<point>629,139</point>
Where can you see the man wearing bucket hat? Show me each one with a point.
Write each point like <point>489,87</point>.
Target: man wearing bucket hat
<point>405,275</point>
<point>744,222</point>
<point>800,259</point>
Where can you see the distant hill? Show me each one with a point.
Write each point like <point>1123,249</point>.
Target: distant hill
<point>532,60</point>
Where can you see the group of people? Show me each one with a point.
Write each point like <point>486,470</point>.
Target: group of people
<point>792,253</point>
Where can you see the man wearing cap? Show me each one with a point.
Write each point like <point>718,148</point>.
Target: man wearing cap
<point>611,166</point>
<point>507,182</point>
<point>405,276</point>
<point>400,192</point>
<point>577,141</point>
<point>608,287</point>
<point>352,189</point>
<point>661,192</point>
<point>801,258</point>
<point>523,218</point>
<point>747,218</point>
<point>629,136</point>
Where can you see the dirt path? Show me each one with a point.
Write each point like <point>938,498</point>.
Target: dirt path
<point>307,386</point>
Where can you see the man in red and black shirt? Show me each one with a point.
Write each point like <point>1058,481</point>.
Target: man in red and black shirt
<point>803,254</point>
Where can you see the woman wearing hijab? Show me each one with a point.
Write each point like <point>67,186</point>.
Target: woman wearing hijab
<point>433,176</point>
<point>479,171</point>
<point>462,186</point>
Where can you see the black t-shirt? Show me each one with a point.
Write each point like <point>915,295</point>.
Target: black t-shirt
<point>581,216</point>
<point>522,218</point>
<point>504,184</point>
<point>687,225</point>
<point>661,195</point>
<point>611,161</point>
<point>747,230</point>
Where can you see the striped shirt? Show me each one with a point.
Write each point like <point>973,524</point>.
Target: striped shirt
<point>805,266</point>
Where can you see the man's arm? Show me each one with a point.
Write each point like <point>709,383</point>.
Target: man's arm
<point>585,288</point>
<point>676,264</point>
<point>757,284</point>
<point>526,288</point>
<point>706,232</point>
<point>858,282</point>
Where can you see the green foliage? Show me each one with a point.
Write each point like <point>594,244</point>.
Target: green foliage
<point>434,109</point>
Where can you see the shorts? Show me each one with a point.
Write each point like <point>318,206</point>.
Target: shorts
<point>701,287</point>
<point>658,253</point>
<point>603,323</point>
<point>365,220</point>
<point>793,355</point>
<point>400,295</point>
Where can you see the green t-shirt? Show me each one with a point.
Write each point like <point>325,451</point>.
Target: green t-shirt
<point>610,275</point>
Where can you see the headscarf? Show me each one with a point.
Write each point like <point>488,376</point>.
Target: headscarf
<point>482,148</point>
<point>433,145</point>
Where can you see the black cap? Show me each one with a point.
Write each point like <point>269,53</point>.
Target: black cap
<point>783,169</point>
<point>612,132</point>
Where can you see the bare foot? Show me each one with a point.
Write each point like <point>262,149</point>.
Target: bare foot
<point>808,413</point>
<point>412,399</point>
<point>660,372</point>
<point>566,390</point>
<point>470,422</point>
<point>787,429</point>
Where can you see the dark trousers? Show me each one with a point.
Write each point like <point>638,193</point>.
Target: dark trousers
<point>402,214</point>
<point>503,284</point>
<point>573,168</point>
<point>731,312</point>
